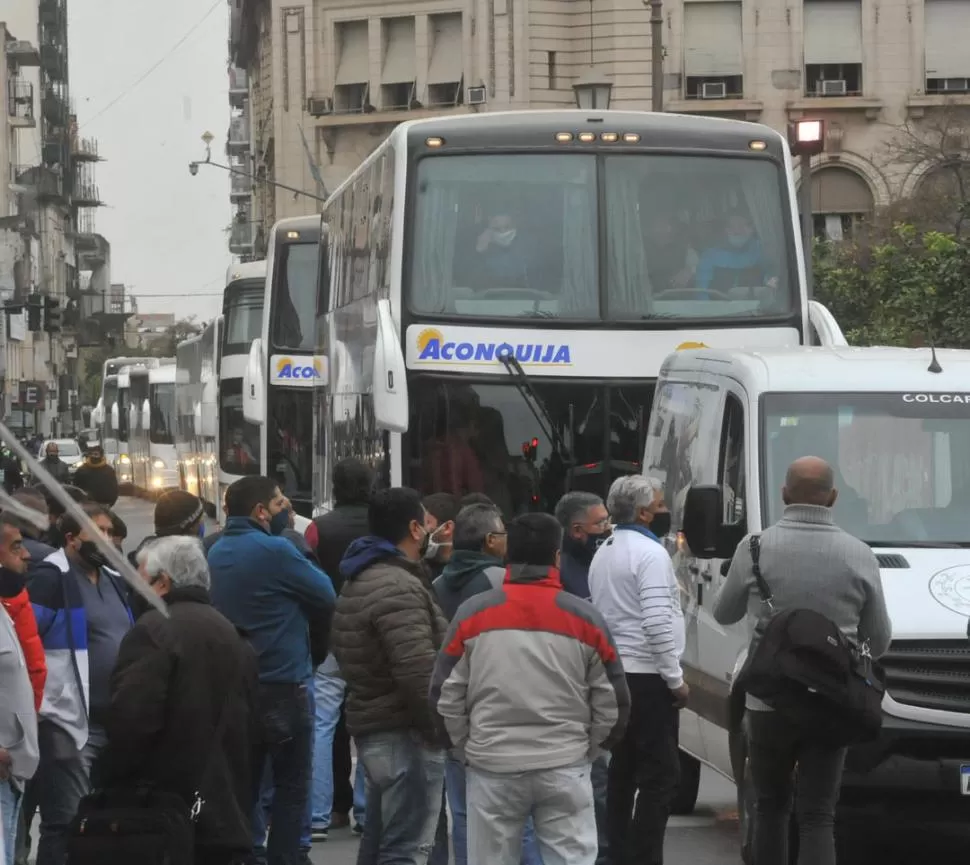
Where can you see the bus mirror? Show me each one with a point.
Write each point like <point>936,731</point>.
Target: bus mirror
<point>254,386</point>
<point>146,415</point>
<point>207,419</point>
<point>390,379</point>
<point>115,418</point>
<point>702,519</point>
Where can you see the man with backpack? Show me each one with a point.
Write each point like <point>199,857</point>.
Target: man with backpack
<point>808,566</point>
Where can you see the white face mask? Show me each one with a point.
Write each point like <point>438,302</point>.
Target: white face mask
<point>434,547</point>
<point>505,238</point>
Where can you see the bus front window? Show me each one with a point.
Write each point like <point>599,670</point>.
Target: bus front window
<point>239,439</point>
<point>696,237</point>
<point>294,326</point>
<point>506,235</point>
<point>291,442</point>
<point>162,410</point>
<point>243,313</point>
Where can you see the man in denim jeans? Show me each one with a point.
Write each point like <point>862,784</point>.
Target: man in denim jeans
<point>267,588</point>
<point>386,633</point>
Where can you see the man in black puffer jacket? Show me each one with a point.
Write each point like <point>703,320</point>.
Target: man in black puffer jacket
<point>174,680</point>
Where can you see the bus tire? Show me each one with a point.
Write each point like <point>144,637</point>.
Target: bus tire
<point>690,783</point>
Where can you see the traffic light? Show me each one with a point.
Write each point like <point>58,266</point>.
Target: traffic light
<point>52,314</point>
<point>35,306</point>
<point>530,450</point>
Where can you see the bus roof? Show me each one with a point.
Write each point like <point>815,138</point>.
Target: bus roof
<point>296,223</point>
<point>844,369</point>
<point>246,270</point>
<point>657,130</point>
<point>162,375</point>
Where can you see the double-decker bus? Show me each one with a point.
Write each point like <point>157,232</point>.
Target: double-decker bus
<point>499,291</point>
<point>242,312</point>
<point>101,415</point>
<point>188,409</point>
<point>152,422</point>
<point>284,367</point>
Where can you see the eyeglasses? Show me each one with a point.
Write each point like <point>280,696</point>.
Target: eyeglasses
<point>496,534</point>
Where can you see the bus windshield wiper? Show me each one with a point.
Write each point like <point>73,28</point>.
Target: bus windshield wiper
<point>535,405</point>
<point>920,545</point>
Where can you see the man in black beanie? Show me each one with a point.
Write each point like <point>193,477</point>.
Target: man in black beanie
<point>176,513</point>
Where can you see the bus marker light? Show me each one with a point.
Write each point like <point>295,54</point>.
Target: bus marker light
<point>758,145</point>
<point>587,137</point>
<point>435,142</point>
<point>293,235</point>
<point>631,137</point>
<point>564,137</point>
<point>610,137</point>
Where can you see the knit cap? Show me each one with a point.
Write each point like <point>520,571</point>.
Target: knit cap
<point>176,511</point>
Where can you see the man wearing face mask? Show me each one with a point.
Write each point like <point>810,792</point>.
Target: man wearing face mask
<point>267,588</point>
<point>82,616</point>
<point>503,254</point>
<point>97,478</point>
<point>443,509</point>
<point>633,585</point>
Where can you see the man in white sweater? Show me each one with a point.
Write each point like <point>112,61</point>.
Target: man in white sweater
<point>632,583</point>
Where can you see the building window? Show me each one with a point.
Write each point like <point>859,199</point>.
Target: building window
<point>399,64</point>
<point>713,51</point>
<point>351,92</point>
<point>833,48</point>
<point>841,200</point>
<point>445,75</point>
<point>551,69</point>
<point>947,25</point>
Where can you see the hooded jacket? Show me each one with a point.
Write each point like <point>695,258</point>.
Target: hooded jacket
<point>99,481</point>
<point>174,679</point>
<point>386,632</point>
<point>529,677</point>
<point>468,573</point>
<point>268,588</point>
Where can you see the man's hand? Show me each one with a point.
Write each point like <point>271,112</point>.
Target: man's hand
<point>680,695</point>
<point>6,764</point>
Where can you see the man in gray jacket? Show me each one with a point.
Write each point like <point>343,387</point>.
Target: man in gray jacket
<point>19,751</point>
<point>809,563</point>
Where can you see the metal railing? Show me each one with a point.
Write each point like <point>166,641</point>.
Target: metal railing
<point>239,133</point>
<point>86,193</point>
<point>240,185</point>
<point>20,98</point>
<point>85,148</point>
<point>241,237</point>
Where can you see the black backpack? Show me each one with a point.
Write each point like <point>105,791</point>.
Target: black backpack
<point>812,675</point>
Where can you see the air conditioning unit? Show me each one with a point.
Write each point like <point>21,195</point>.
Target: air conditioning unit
<point>831,88</point>
<point>956,85</point>
<point>477,95</point>
<point>713,90</point>
<point>319,106</point>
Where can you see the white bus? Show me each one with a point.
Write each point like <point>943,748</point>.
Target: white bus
<point>499,291</point>
<point>188,395</point>
<point>284,367</point>
<point>242,312</point>
<point>120,415</point>
<point>152,421</point>
<point>101,415</point>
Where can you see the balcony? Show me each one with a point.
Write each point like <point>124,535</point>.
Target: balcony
<point>85,194</point>
<point>238,141</point>
<point>23,53</point>
<point>241,238</point>
<point>85,149</point>
<point>20,103</point>
<point>52,62</point>
<point>240,186</point>
<point>238,87</point>
<point>37,180</point>
<point>54,109</point>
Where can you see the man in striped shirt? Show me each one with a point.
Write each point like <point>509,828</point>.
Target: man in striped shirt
<point>632,583</point>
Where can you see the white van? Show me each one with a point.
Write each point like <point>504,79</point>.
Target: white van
<point>895,426</point>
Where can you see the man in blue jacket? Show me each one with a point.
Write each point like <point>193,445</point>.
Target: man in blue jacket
<point>267,588</point>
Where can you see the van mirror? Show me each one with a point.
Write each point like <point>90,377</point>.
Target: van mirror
<point>146,415</point>
<point>704,530</point>
<point>254,385</point>
<point>390,381</point>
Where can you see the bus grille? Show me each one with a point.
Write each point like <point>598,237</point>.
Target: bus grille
<point>931,675</point>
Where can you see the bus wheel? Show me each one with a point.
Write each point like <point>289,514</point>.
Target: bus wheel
<point>690,782</point>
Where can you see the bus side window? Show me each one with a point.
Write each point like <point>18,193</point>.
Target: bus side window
<point>731,466</point>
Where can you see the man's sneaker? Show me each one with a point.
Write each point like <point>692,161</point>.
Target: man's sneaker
<point>339,821</point>
<point>358,828</point>
<point>319,834</point>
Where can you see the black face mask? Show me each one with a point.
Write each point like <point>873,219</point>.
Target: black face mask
<point>91,555</point>
<point>661,524</point>
<point>593,541</point>
<point>11,583</point>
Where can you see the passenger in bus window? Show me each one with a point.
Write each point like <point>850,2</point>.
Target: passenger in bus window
<point>738,261</point>
<point>504,253</point>
<point>239,452</point>
<point>671,262</point>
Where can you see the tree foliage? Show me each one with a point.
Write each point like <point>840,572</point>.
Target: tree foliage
<point>905,287</point>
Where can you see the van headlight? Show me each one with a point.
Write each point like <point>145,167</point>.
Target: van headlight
<point>124,459</point>
<point>158,464</point>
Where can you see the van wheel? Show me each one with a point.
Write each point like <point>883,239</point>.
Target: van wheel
<point>690,783</point>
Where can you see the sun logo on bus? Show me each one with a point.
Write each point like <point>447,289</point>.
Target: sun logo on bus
<point>684,346</point>
<point>287,369</point>
<point>427,337</point>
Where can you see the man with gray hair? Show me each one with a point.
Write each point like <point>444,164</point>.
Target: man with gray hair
<point>585,525</point>
<point>634,587</point>
<point>183,703</point>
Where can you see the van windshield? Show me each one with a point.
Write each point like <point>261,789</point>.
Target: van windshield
<point>899,459</point>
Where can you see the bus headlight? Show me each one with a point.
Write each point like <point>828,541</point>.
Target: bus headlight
<point>158,464</point>
<point>157,482</point>
<point>124,460</point>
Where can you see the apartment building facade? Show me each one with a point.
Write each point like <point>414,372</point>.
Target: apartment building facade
<point>320,83</point>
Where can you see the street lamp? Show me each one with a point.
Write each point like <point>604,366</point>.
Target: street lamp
<point>806,138</point>
<point>592,91</point>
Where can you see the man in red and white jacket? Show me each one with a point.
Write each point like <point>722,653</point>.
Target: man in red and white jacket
<point>528,688</point>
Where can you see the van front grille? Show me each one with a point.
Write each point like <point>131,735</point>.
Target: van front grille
<point>931,675</point>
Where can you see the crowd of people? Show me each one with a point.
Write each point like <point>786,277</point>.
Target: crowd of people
<point>485,669</point>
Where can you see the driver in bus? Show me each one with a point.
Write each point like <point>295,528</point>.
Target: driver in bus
<point>737,262</point>
<point>239,453</point>
<point>504,254</point>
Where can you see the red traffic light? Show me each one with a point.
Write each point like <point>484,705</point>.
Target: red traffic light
<point>535,444</point>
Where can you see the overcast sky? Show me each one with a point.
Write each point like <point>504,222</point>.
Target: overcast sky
<point>166,228</point>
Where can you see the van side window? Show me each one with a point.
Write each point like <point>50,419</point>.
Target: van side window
<point>731,465</point>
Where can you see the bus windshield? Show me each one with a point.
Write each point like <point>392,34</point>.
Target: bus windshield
<point>290,441</point>
<point>243,310</point>
<point>899,459</point>
<point>239,438</point>
<point>683,237</point>
<point>161,400</point>
<point>467,438</point>
<point>295,307</point>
